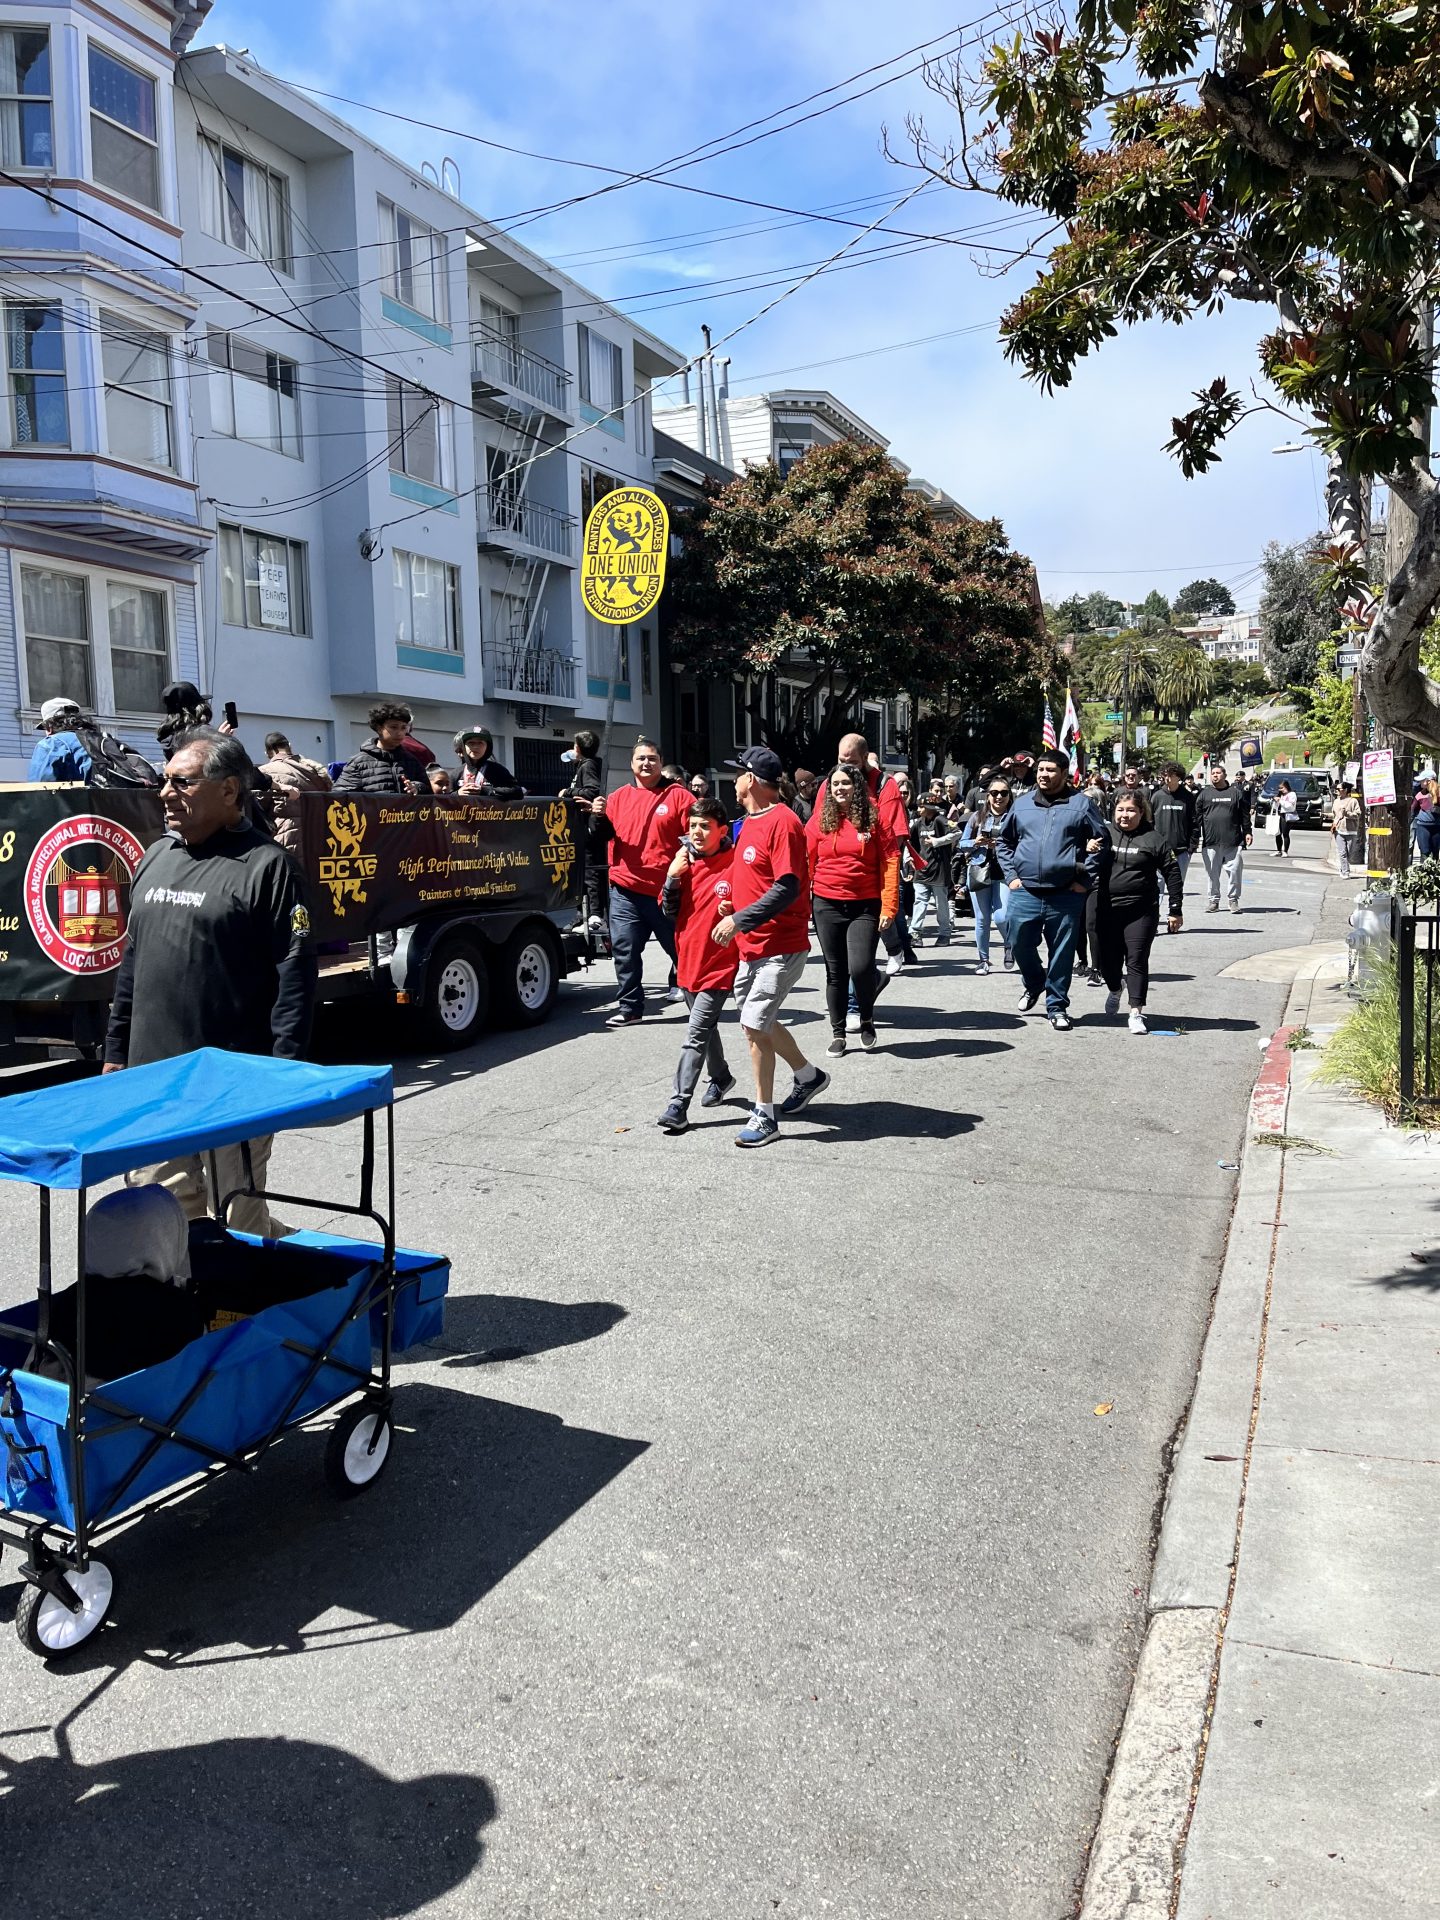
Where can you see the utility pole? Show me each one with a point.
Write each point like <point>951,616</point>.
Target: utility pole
<point>1124,705</point>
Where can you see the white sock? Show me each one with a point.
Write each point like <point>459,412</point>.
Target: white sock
<point>806,1074</point>
<point>767,1107</point>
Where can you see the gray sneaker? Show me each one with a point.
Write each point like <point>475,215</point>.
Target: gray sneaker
<point>717,1091</point>
<point>803,1092</point>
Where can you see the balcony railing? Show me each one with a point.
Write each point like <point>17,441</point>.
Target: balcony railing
<point>498,362</point>
<point>510,520</point>
<point>517,671</point>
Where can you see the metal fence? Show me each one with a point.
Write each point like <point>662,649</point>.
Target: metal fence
<point>1415,933</point>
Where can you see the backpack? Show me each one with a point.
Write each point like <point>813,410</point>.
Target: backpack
<point>112,763</point>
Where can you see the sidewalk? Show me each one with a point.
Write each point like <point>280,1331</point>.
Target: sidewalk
<point>1295,1777</point>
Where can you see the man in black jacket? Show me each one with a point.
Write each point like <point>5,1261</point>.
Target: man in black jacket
<point>218,954</point>
<point>1223,817</point>
<point>1176,821</point>
<point>386,765</point>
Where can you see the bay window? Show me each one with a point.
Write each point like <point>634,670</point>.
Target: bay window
<point>139,646</point>
<point>35,373</point>
<point>138,405</point>
<point>63,610</point>
<point>26,128</point>
<point>124,134</point>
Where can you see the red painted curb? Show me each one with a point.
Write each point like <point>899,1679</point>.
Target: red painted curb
<point>1272,1089</point>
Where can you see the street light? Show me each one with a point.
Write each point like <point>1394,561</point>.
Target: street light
<point>1294,446</point>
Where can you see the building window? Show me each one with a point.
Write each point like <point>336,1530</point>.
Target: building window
<point>35,363</point>
<point>254,394</point>
<point>594,485</point>
<point>124,142</point>
<point>602,381</point>
<point>137,393</point>
<point>57,636</point>
<point>421,432</point>
<point>139,647</point>
<point>607,651</point>
<point>26,139</point>
<point>244,204</point>
<point>427,603</point>
<point>264,581</point>
<point>415,264</point>
<point>126,675</point>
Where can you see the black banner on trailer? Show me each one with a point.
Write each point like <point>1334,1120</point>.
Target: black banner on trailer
<point>375,862</point>
<point>67,859</point>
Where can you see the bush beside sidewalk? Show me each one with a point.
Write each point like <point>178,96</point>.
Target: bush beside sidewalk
<point>1278,1755</point>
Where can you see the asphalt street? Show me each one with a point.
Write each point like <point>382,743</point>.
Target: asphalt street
<point>768,1533</point>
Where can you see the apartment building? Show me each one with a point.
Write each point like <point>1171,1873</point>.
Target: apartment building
<point>101,535</point>
<point>358,426</point>
<point>1234,637</point>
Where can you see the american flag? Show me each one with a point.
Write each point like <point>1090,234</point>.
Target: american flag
<point>1047,732</point>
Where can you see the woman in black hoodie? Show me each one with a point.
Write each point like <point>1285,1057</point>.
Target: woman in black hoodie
<point>1127,911</point>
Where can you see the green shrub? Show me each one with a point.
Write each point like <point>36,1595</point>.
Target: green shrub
<point>1364,1051</point>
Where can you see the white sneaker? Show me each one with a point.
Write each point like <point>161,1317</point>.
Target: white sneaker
<point>1112,1003</point>
<point>1137,1020</point>
<point>895,964</point>
<point>674,994</point>
<point>852,1022</point>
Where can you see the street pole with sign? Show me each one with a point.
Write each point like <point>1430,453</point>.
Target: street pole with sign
<point>622,573</point>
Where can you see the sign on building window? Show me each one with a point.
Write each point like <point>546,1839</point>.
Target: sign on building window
<point>274,595</point>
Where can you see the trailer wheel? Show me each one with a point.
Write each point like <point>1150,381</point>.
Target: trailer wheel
<point>457,993</point>
<point>357,1450</point>
<point>47,1627</point>
<point>527,976</point>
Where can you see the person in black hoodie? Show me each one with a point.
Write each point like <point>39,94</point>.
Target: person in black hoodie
<point>1127,915</point>
<point>385,766</point>
<point>587,783</point>
<point>1176,819</point>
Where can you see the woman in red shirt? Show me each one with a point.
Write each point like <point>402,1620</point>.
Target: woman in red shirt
<point>855,888</point>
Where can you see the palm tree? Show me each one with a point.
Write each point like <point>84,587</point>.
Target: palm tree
<point>1213,730</point>
<point>1183,674</point>
<point>1128,662</point>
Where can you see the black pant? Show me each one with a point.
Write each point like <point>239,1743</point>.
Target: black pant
<point>1087,937</point>
<point>849,931</point>
<point>1284,826</point>
<point>1127,933</point>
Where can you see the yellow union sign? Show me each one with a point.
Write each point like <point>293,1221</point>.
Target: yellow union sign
<point>627,542</point>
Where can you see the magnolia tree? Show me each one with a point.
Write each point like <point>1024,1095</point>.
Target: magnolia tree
<point>1188,154</point>
<point>838,572</point>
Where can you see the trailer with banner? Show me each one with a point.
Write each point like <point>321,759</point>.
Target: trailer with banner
<point>454,907</point>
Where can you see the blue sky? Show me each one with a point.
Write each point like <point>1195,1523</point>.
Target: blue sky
<point>1078,478</point>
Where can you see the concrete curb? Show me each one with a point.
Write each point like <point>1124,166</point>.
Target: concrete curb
<point>1136,1857</point>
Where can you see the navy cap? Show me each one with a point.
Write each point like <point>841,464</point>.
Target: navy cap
<point>763,762</point>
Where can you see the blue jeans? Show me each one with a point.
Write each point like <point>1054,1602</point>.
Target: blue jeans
<point>633,918</point>
<point>989,904</point>
<point>926,892</point>
<point>1057,916</point>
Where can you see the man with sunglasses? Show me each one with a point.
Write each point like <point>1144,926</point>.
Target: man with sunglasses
<point>217,954</point>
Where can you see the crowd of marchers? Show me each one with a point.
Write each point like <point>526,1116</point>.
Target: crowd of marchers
<point>1061,875</point>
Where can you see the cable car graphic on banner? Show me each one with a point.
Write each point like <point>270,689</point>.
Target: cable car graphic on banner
<point>89,905</point>
<point>77,891</point>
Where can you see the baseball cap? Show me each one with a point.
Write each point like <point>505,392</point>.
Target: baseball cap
<point>52,710</point>
<point>763,762</point>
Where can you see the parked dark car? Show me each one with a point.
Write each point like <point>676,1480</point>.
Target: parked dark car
<point>1312,788</point>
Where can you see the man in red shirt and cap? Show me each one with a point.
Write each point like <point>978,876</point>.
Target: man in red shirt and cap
<point>770,924</point>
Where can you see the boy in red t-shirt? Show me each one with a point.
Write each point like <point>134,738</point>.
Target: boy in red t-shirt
<point>697,895</point>
<point>771,927</point>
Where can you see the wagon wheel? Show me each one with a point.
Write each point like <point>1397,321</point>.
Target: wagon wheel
<point>45,1624</point>
<point>358,1449</point>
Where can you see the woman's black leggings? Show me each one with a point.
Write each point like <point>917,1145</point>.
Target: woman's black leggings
<point>1284,825</point>
<point>1127,933</point>
<point>849,931</point>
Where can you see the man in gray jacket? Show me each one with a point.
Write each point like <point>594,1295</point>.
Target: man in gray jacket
<point>1049,852</point>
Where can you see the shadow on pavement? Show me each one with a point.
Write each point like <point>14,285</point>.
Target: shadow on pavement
<point>1197,1023</point>
<point>256,1566</point>
<point>944,1049</point>
<point>888,1120</point>
<point>287,1829</point>
<point>485,1327</point>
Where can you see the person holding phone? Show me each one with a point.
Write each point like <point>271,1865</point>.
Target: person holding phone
<point>984,881</point>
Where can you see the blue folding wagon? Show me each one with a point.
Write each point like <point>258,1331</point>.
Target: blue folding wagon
<point>282,1329</point>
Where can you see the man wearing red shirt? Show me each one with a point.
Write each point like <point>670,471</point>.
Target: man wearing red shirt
<point>698,895</point>
<point>644,825</point>
<point>770,925</point>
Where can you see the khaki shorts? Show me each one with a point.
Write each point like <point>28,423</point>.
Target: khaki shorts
<point>761,987</point>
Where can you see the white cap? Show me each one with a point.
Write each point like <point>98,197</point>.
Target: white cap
<point>52,710</point>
